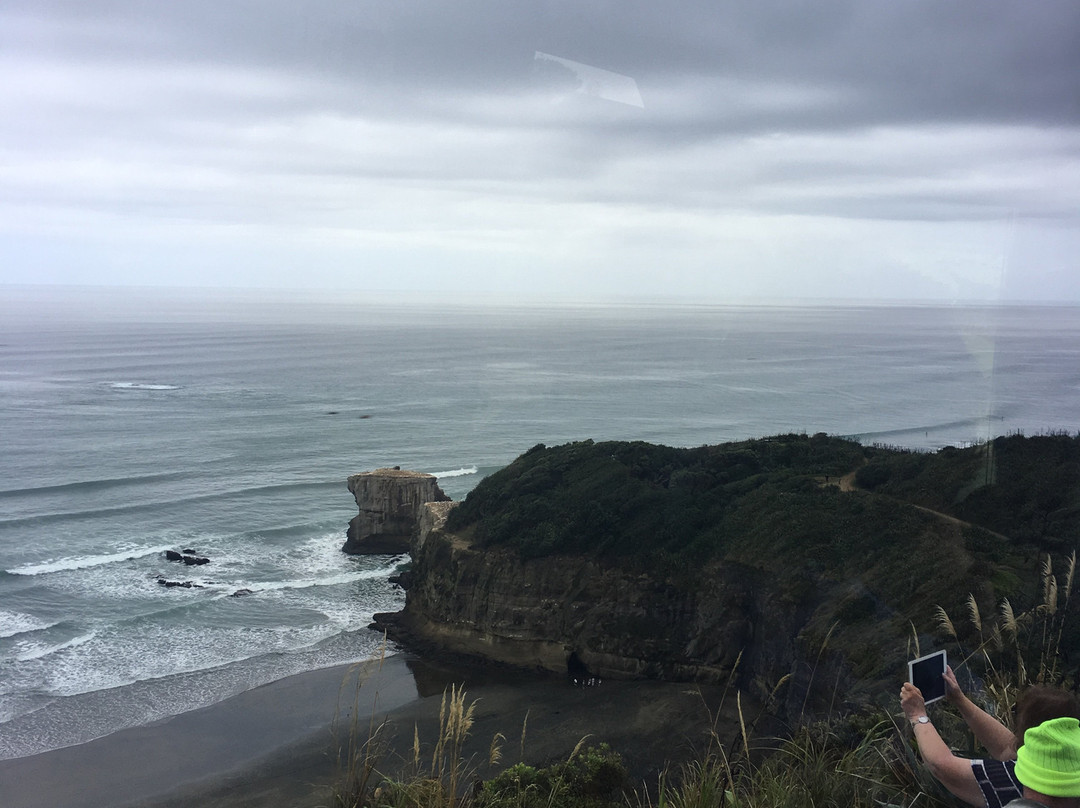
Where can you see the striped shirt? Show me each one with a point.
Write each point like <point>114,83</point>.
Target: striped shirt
<point>998,782</point>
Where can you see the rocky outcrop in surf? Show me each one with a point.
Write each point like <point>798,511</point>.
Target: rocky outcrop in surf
<point>163,581</point>
<point>390,502</point>
<point>187,557</point>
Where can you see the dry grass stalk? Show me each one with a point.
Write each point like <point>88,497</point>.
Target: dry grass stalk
<point>1070,571</point>
<point>524,726</point>
<point>579,745</point>
<point>1008,618</point>
<point>996,640</point>
<point>944,623</point>
<point>495,750</point>
<point>455,721</point>
<point>742,722</point>
<point>813,671</point>
<point>771,700</point>
<point>361,757</point>
<point>727,685</point>
<point>973,613</point>
<point>1019,648</point>
<point>913,642</point>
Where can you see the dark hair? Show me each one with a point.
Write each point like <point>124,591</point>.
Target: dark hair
<point>1040,703</point>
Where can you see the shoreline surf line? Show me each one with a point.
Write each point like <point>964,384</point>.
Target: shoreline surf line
<point>150,761</point>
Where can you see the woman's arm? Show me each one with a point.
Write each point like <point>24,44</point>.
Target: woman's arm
<point>997,739</point>
<point>952,772</point>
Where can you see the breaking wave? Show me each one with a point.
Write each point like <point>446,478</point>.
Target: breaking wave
<point>141,386</point>
<point>456,472</point>
<point>83,562</point>
<point>39,650</point>
<point>13,623</point>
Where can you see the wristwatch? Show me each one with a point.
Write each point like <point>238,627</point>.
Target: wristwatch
<point>922,719</point>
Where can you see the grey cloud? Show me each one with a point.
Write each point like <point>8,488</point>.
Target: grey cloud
<point>948,60</point>
<point>330,113</point>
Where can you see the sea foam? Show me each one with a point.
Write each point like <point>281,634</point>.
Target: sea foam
<point>84,562</point>
<point>33,650</point>
<point>456,472</point>
<point>12,623</point>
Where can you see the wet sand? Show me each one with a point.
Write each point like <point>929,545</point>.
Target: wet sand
<point>275,746</point>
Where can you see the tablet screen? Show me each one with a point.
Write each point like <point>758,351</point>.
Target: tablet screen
<point>928,674</point>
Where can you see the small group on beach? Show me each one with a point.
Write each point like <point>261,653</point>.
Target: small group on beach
<point>1037,766</point>
<point>577,673</point>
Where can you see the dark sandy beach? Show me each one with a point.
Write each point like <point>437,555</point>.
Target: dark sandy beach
<point>137,764</point>
<point>274,746</point>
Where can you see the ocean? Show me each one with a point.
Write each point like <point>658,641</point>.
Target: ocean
<point>227,425</point>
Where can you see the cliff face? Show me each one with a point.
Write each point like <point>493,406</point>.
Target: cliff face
<point>536,613</point>
<point>390,501</point>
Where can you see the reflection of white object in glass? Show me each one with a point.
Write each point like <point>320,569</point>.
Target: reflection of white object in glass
<point>928,674</point>
<point>599,82</point>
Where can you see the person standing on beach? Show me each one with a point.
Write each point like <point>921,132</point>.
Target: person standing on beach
<point>990,782</point>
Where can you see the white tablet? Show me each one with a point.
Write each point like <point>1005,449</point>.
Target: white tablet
<point>928,674</point>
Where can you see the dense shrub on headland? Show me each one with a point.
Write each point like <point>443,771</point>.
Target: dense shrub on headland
<point>621,500</point>
<point>626,500</point>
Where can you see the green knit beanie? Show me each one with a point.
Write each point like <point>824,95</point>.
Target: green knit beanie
<point>1049,760</point>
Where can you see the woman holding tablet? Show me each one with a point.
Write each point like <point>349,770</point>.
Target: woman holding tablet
<point>988,781</point>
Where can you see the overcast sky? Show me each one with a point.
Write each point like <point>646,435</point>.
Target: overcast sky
<point>712,151</point>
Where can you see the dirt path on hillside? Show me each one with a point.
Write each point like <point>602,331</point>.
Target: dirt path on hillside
<point>847,483</point>
<point>959,522</point>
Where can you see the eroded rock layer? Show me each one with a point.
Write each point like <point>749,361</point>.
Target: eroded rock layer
<point>537,613</point>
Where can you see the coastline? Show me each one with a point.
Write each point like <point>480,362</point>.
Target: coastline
<point>273,746</point>
<point>191,750</point>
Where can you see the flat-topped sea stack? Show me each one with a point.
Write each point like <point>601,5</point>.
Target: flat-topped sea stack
<point>390,502</point>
